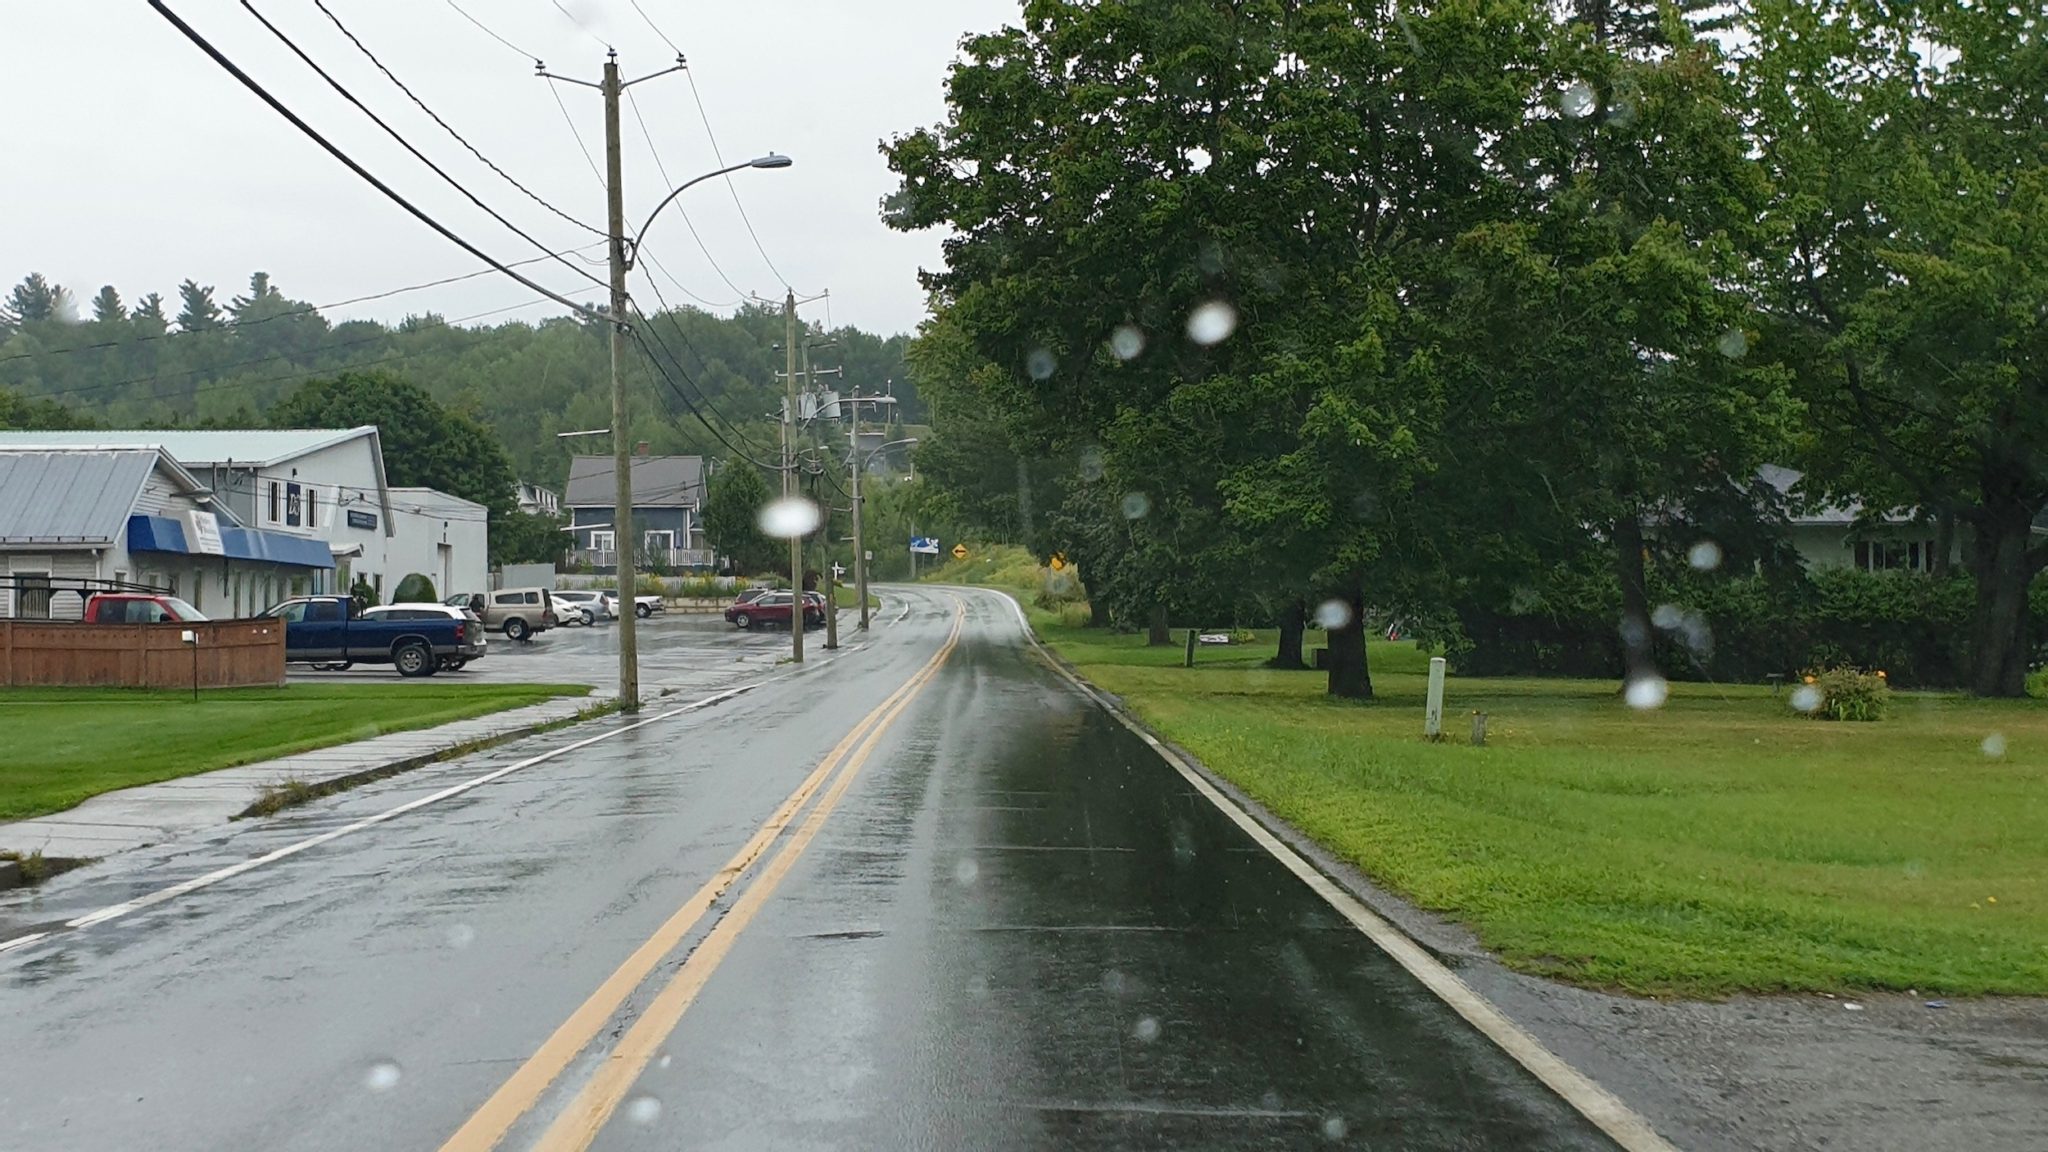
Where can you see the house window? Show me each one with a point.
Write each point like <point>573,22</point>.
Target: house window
<point>275,490</point>
<point>601,541</point>
<point>1886,555</point>
<point>312,509</point>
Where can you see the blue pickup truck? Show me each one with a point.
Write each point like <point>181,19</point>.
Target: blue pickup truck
<point>328,630</point>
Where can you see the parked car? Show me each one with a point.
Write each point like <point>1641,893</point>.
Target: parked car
<point>517,612</point>
<point>474,645</point>
<point>645,606</point>
<point>329,631</point>
<point>589,606</point>
<point>774,609</point>
<point>138,608</point>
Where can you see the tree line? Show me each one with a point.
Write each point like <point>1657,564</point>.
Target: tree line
<point>1353,310</point>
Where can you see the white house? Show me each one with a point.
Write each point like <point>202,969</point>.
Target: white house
<point>320,484</point>
<point>535,500</point>
<point>73,519</point>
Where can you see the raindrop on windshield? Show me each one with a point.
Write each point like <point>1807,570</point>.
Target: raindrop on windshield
<point>1041,363</point>
<point>1646,692</point>
<point>1334,1128</point>
<point>1805,698</point>
<point>1667,616</point>
<point>1734,344</point>
<point>1333,615</point>
<point>1091,463</point>
<point>1212,323</point>
<point>966,872</point>
<point>382,1076</point>
<point>1147,1029</point>
<point>1126,342</point>
<point>461,936</point>
<point>1577,101</point>
<point>789,517</point>
<point>1704,556</point>
<point>643,1110</point>
<point>665,1060</point>
<point>1136,505</point>
<point>1994,745</point>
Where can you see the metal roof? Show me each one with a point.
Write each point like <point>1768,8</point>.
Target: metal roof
<point>69,497</point>
<point>256,447</point>
<point>658,482</point>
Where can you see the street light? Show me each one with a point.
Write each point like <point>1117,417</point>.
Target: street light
<point>859,464</point>
<point>622,447</point>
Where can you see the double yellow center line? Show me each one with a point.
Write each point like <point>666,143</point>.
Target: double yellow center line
<point>579,1123</point>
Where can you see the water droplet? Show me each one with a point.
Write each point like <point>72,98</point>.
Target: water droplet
<point>1633,634</point>
<point>1805,698</point>
<point>1734,344</point>
<point>665,1060</point>
<point>1146,1030</point>
<point>1126,342</point>
<point>1270,1101</point>
<point>1333,615</point>
<point>1115,982</point>
<point>1647,692</point>
<point>382,1076</point>
<point>1915,870</point>
<point>643,1110</point>
<point>789,517</point>
<point>1994,745</point>
<point>1667,616</point>
<point>1578,100</point>
<point>461,936</point>
<point>1212,258</point>
<point>1212,323</point>
<point>1704,556</point>
<point>1136,505</point>
<point>1091,463</point>
<point>1334,1128</point>
<point>1041,363</point>
<point>967,872</point>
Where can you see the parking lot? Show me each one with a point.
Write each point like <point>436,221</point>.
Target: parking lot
<point>676,650</point>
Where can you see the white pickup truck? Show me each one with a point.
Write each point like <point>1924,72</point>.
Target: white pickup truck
<point>645,606</point>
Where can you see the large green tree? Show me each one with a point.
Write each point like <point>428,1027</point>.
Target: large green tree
<point>732,519</point>
<point>425,444</point>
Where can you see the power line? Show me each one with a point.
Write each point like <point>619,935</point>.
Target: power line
<point>571,122</point>
<point>493,35</point>
<point>571,16</point>
<point>407,144</point>
<point>238,325</point>
<point>657,28</point>
<point>445,126</point>
<point>749,457</point>
<point>730,186</point>
<point>702,360</point>
<point>250,83</point>
<point>687,222</point>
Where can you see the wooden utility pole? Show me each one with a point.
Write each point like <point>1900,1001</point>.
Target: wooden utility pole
<point>789,489</point>
<point>622,430</point>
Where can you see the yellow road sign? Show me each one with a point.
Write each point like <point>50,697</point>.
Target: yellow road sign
<point>959,551</point>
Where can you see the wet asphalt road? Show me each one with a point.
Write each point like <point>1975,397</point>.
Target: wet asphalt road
<point>1005,924</point>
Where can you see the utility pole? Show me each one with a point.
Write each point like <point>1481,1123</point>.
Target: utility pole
<point>789,490</point>
<point>622,437</point>
<point>860,556</point>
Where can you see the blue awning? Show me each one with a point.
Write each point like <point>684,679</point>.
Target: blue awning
<point>164,534</point>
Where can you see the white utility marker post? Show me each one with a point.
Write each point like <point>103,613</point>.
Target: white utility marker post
<point>1433,711</point>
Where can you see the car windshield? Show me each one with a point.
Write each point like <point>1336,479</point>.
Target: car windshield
<point>183,610</point>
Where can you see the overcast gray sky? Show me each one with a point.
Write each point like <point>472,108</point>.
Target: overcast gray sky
<point>132,159</point>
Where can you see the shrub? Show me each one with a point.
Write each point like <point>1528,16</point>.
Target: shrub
<point>1843,693</point>
<point>2037,684</point>
<point>415,589</point>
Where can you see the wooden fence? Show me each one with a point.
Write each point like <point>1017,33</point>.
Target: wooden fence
<point>229,654</point>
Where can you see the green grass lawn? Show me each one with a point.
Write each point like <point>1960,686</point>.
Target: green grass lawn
<point>67,744</point>
<point>1716,844</point>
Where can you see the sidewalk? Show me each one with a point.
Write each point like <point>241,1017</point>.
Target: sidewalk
<point>152,813</point>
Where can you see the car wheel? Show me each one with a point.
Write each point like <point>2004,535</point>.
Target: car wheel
<point>415,659</point>
<point>642,611</point>
<point>744,622</point>
<point>517,630</point>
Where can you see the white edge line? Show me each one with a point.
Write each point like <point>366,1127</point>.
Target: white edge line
<point>1607,1112</point>
<point>115,911</point>
<point>22,941</point>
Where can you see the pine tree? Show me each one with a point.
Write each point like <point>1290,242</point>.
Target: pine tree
<point>34,299</point>
<point>198,311</point>
<point>148,317</point>
<point>107,307</point>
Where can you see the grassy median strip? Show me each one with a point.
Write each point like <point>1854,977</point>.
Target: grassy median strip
<point>1720,843</point>
<point>68,744</point>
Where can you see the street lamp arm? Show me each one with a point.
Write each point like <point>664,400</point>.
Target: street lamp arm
<point>769,161</point>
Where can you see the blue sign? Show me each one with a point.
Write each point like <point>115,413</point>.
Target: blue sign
<point>361,519</point>
<point>927,545</point>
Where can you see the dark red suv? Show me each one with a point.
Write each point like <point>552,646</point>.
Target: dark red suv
<point>773,610</point>
<point>138,608</point>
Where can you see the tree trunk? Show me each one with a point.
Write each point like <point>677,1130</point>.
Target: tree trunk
<point>1998,632</point>
<point>1944,543</point>
<point>1160,635</point>
<point>1293,625</point>
<point>1638,651</point>
<point>1350,679</point>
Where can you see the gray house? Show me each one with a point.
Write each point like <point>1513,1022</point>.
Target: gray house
<point>668,499</point>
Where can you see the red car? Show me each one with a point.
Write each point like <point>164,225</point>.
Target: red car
<point>139,608</point>
<point>774,609</point>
